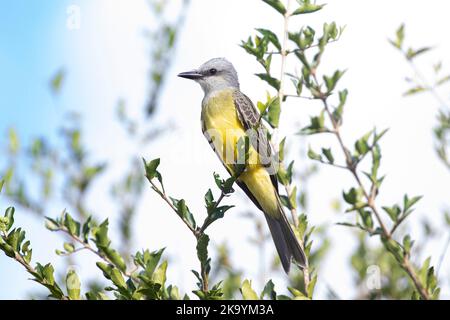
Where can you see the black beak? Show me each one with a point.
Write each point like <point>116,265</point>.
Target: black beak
<point>193,75</point>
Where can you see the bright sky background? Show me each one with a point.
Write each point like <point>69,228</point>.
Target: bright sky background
<point>107,59</point>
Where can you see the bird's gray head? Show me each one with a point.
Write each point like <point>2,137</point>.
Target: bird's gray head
<point>215,74</point>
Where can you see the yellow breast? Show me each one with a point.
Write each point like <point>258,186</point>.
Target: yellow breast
<point>224,129</point>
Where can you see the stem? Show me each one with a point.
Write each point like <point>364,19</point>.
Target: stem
<point>425,84</point>
<point>198,232</point>
<point>87,246</point>
<point>300,50</point>
<point>288,187</point>
<point>164,196</point>
<point>17,257</point>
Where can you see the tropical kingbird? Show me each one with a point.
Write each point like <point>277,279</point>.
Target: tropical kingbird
<point>227,116</point>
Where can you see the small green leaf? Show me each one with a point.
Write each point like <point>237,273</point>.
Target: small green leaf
<point>327,153</point>
<point>247,292</point>
<point>313,155</point>
<point>409,203</point>
<point>272,37</point>
<point>9,214</point>
<point>351,197</point>
<point>151,168</point>
<point>440,82</point>
<point>277,5</point>
<point>407,244</point>
<point>269,291</point>
<point>69,247</point>
<point>51,224</point>
<point>202,249</point>
<point>414,90</point>
<point>393,212</point>
<point>411,54</point>
<point>159,276</point>
<point>273,82</point>
<point>274,112</point>
<point>72,226</point>
<point>400,37</point>
<point>307,7</point>
<point>73,285</point>
<point>311,287</point>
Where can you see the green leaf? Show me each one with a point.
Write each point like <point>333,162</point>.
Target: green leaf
<point>72,226</point>
<point>69,247</point>
<point>307,7</point>
<point>13,141</point>
<point>269,291</point>
<point>184,212</point>
<point>51,224</point>
<point>311,286</point>
<point>400,37</point>
<point>316,126</point>
<point>411,54</point>
<point>393,212</point>
<point>148,260</point>
<point>202,249</point>
<point>273,82</point>
<point>414,90</point>
<point>327,153</point>
<point>247,292</point>
<point>362,145</point>
<point>438,83</point>
<point>277,5</point>
<point>272,37</point>
<point>313,155</point>
<point>151,168</point>
<point>57,81</point>
<point>73,285</point>
<point>409,203</point>
<point>351,197</point>
<point>2,182</point>
<point>407,244</point>
<point>159,276</point>
<point>100,234</point>
<point>332,81</point>
<point>281,149</point>
<point>366,218</point>
<point>274,112</point>
<point>9,215</point>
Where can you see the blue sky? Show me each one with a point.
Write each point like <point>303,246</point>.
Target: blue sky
<point>107,59</point>
<point>31,51</point>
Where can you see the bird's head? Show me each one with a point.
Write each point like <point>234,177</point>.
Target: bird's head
<point>215,74</point>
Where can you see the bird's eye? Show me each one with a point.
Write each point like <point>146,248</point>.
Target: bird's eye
<point>212,71</point>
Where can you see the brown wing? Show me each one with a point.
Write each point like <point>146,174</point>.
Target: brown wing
<point>257,132</point>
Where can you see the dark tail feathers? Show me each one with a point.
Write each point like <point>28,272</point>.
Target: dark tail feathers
<point>286,242</point>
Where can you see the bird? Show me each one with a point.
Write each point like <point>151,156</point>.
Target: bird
<point>228,115</point>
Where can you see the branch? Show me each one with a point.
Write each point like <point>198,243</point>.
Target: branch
<point>370,196</point>
<point>281,95</point>
<point>87,246</point>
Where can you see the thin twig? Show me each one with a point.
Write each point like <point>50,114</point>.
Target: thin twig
<point>288,187</point>
<point>87,246</point>
<point>298,97</point>
<point>300,50</point>
<point>164,196</point>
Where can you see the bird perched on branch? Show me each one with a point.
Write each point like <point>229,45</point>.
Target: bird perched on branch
<point>229,116</point>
